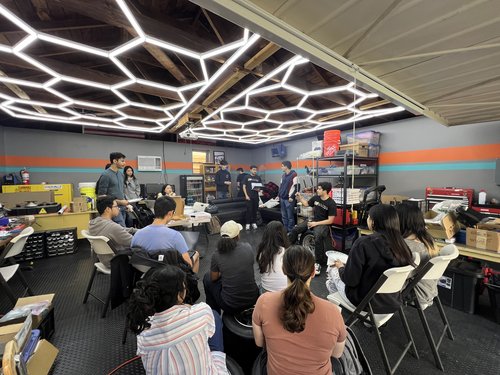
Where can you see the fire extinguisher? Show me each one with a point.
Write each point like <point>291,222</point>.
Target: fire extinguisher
<point>25,176</point>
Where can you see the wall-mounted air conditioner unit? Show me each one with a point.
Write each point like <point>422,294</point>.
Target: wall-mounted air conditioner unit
<point>149,163</point>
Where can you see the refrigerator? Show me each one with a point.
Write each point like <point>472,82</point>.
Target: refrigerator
<point>191,188</point>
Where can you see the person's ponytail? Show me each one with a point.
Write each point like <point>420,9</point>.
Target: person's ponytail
<point>298,265</point>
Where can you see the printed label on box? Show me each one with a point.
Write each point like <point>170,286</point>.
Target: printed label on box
<point>445,282</point>
<point>481,239</point>
<point>52,187</point>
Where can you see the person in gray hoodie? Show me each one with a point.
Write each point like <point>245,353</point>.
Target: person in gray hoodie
<point>120,237</point>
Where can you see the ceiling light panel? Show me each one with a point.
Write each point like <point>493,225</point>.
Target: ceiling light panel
<point>256,124</point>
<point>183,95</point>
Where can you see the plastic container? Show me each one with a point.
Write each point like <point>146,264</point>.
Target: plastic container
<point>482,197</point>
<point>87,190</point>
<point>459,285</point>
<point>331,142</point>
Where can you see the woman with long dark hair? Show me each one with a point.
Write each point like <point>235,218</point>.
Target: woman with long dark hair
<point>132,188</point>
<point>174,338</point>
<point>270,256</point>
<point>300,331</point>
<point>419,240</point>
<point>369,257</point>
<point>230,283</point>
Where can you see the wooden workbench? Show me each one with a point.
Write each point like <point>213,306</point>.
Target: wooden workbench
<point>78,220</point>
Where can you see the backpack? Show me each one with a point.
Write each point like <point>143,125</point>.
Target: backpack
<point>143,214</point>
<point>214,225</point>
<point>270,190</point>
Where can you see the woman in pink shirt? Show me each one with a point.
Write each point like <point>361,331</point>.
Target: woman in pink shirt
<point>300,331</point>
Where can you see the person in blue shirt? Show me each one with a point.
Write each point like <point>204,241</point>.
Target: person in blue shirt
<point>111,183</point>
<point>158,237</point>
<point>222,180</point>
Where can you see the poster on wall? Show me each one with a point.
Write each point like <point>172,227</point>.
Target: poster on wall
<point>218,156</point>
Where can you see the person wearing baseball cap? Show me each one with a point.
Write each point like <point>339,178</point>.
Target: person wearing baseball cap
<point>230,283</point>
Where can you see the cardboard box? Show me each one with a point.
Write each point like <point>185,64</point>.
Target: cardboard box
<point>8,332</point>
<point>42,359</point>
<point>393,199</point>
<point>10,200</point>
<point>445,228</point>
<point>79,205</point>
<point>179,208</point>
<point>359,149</point>
<point>32,299</point>
<point>483,239</point>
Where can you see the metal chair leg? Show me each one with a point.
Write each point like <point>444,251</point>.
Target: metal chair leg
<point>106,305</point>
<point>8,291</point>
<point>125,331</point>
<point>408,332</point>
<point>430,338</point>
<point>25,283</point>
<point>89,285</point>
<point>381,347</point>
<point>444,318</point>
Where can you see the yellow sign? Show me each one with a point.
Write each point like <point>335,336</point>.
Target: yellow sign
<point>42,211</point>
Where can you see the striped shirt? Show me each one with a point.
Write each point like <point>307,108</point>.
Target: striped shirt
<point>177,342</point>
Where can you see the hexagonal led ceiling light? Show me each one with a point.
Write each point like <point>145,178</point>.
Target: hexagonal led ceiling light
<point>117,117</point>
<point>268,128</point>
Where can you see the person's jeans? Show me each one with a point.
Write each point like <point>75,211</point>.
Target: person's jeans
<point>221,194</point>
<point>120,218</point>
<point>216,342</point>
<point>287,214</point>
<point>252,207</point>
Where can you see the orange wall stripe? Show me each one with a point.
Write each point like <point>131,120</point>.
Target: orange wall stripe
<point>476,152</point>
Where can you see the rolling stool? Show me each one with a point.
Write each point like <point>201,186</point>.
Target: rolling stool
<point>233,367</point>
<point>238,338</point>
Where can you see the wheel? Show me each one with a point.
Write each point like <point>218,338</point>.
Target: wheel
<point>307,240</point>
<point>239,324</point>
<point>233,367</point>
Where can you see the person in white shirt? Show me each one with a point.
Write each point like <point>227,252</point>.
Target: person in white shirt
<point>270,257</point>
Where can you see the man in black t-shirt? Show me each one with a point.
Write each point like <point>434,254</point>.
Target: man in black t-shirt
<point>222,181</point>
<point>324,211</point>
<point>252,184</point>
<point>239,181</point>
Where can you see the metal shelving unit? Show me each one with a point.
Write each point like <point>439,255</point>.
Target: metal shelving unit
<point>347,181</point>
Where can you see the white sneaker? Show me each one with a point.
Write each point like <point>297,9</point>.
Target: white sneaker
<point>254,226</point>
<point>317,268</point>
<point>247,227</point>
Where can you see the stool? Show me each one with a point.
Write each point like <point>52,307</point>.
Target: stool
<point>238,338</point>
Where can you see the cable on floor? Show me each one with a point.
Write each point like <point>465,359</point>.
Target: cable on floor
<point>127,362</point>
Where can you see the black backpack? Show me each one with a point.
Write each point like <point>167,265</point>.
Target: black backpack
<point>143,215</point>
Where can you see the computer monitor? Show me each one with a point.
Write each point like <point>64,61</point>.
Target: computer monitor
<point>151,190</point>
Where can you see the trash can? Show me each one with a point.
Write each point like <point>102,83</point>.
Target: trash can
<point>459,285</point>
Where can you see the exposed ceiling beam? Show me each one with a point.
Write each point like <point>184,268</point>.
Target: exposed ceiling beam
<point>81,23</point>
<point>212,24</point>
<point>42,9</point>
<point>21,93</point>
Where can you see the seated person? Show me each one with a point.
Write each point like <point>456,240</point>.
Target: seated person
<point>412,225</point>
<point>230,283</point>
<point>166,190</point>
<point>324,211</point>
<point>301,332</point>
<point>174,258</point>
<point>120,238</point>
<point>270,257</point>
<point>369,257</point>
<point>157,236</point>
<point>174,337</point>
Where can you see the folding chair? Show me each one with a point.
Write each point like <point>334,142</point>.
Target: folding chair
<point>391,281</point>
<point>99,244</point>
<point>14,248</point>
<point>432,270</point>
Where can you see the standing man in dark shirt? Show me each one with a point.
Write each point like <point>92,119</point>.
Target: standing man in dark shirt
<point>239,181</point>
<point>286,194</point>
<point>222,180</point>
<point>111,183</point>
<point>251,186</point>
<point>324,211</point>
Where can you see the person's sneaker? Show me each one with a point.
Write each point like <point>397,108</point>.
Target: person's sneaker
<point>254,226</point>
<point>247,227</point>
<point>317,268</point>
